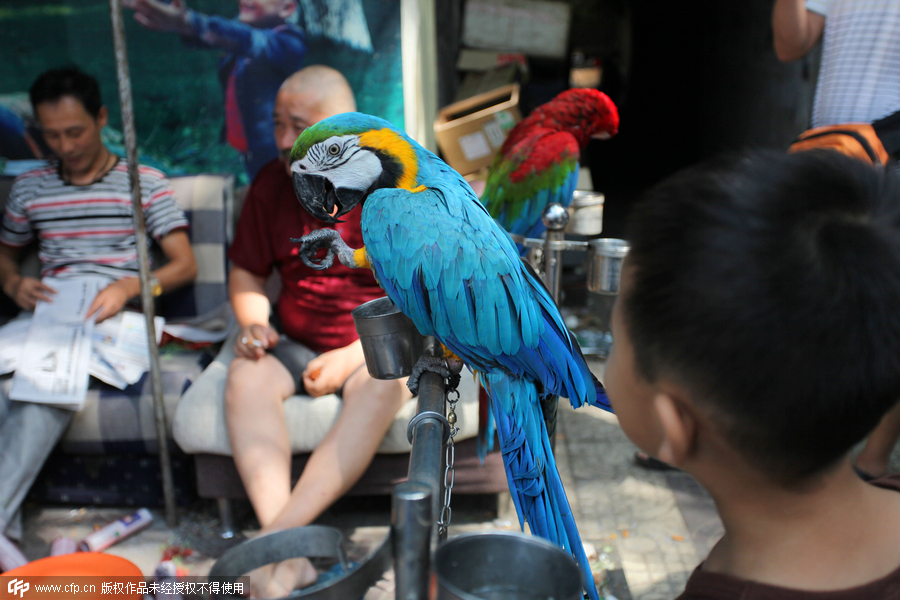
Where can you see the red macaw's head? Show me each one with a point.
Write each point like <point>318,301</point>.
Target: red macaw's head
<point>586,113</point>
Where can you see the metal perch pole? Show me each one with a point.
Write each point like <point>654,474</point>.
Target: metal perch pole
<point>140,233</point>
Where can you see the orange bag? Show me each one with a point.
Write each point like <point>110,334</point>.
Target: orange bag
<point>858,140</point>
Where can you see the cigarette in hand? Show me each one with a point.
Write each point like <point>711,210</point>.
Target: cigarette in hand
<point>256,343</point>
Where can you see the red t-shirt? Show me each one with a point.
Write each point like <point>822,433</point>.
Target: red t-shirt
<point>314,306</point>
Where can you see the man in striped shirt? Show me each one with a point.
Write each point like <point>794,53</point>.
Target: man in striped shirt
<point>79,210</point>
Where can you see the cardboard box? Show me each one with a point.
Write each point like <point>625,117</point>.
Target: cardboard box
<point>469,133</point>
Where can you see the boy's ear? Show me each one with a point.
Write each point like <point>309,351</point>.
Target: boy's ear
<point>678,427</point>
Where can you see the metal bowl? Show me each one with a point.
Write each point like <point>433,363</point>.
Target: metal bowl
<point>390,341</point>
<point>606,256</point>
<point>505,565</point>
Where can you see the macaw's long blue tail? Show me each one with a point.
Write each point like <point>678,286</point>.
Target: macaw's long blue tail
<point>534,482</point>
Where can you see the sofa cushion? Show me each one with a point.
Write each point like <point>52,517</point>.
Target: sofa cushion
<point>114,420</point>
<point>207,201</point>
<point>199,424</point>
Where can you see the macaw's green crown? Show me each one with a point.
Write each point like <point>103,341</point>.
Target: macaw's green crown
<point>338,125</point>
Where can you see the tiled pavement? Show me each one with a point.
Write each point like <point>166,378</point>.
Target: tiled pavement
<point>658,524</point>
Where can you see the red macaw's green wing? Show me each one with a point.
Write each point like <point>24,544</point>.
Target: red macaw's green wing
<point>540,169</point>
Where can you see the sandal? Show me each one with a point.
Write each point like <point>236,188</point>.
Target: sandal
<point>648,462</point>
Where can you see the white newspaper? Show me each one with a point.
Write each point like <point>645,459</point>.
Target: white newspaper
<point>121,343</point>
<point>53,367</point>
<point>12,340</point>
<point>54,352</point>
<point>104,371</point>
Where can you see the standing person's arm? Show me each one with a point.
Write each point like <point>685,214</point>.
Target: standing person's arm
<point>796,29</point>
<point>161,16</point>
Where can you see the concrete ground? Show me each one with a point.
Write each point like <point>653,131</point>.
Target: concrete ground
<point>649,528</point>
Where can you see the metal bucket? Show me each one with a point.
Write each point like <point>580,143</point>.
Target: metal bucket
<point>586,213</point>
<point>504,565</point>
<point>606,256</point>
<point>390,341</point>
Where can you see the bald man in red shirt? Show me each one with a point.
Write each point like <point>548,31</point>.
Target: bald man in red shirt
<point>310,345</point>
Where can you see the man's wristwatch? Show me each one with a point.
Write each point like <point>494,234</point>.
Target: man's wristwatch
<point>155,286</point>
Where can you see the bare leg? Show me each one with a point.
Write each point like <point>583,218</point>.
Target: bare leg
<point>346,451</point>
<point>255,392</point>
<point>254,410</point>
<point>876,454</point>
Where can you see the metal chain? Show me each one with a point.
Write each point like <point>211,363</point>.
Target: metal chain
<point>449,470</point>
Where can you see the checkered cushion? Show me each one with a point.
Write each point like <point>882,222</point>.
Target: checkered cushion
<point>207,200</point>
<point>114,420</point>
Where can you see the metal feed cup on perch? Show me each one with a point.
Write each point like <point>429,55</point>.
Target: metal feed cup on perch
<point>390,341</point>
<point>585,213</point>
<point>605,271</point>
<point>504,565</point>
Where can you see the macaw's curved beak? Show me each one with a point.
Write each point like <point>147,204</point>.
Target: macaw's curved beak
<point>320,198</point>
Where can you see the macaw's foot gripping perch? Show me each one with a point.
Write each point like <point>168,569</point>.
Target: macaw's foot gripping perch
<point>447,368</point>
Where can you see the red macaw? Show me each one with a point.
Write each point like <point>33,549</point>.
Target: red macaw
<point>538,163</point>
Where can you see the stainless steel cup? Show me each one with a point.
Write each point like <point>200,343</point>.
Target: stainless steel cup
<point>390,341</point>
<point>586,213</point>
<point>505,565</point>
<point>606,256</point>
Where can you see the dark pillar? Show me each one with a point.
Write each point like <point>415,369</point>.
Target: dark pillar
<point>703,79</point>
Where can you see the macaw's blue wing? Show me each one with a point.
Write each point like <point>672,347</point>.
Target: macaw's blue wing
<point>453,270</point>
<point>536,171</point>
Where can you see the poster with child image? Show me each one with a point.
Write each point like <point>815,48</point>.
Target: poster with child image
<point>204,73</point>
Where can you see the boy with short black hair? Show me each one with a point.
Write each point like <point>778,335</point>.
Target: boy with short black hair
<point>757,341</point>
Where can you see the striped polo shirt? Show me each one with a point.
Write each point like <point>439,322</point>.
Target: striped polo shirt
<point>87,229</point>
<point>859,81</point>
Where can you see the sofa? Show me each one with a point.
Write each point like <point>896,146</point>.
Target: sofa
<point>200,431</point>
<point>109,454</point>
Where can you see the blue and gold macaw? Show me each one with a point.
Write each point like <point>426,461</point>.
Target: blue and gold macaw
<point>456,273</point>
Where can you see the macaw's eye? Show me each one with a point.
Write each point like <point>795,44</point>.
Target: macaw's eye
<point>334,149</point>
